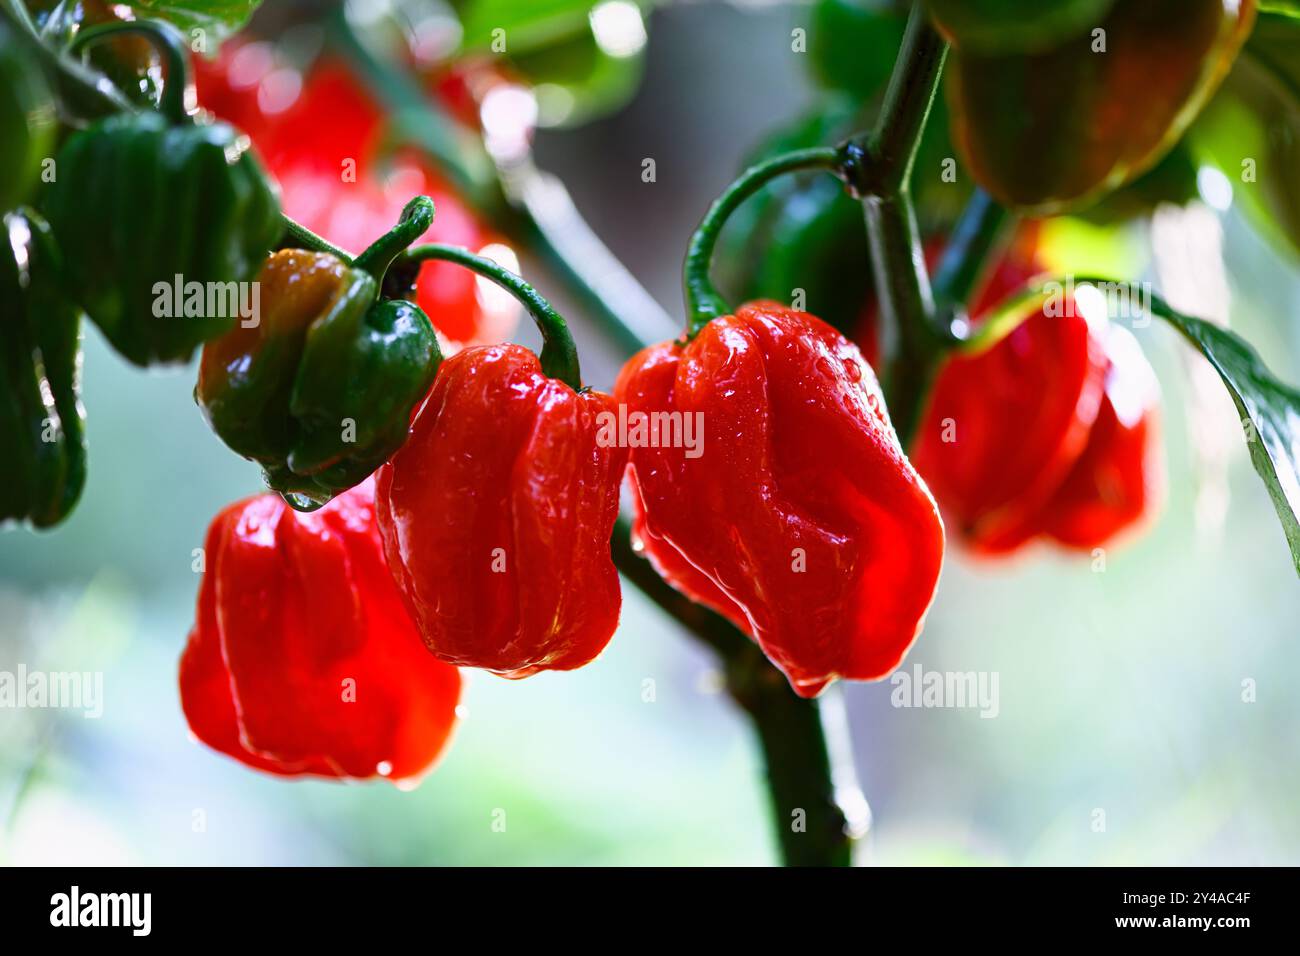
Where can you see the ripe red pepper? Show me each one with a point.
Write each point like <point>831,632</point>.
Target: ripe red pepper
<point>323,144</point>
<point>1046,434</point>
<point>801,520</point>
<point>497,513</point>
<point>303,660</point>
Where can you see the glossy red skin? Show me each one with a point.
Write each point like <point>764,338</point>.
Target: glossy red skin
<point>291,606</point>
<point>798,453</point>
<point>305,146</point>
<point>497,513</point>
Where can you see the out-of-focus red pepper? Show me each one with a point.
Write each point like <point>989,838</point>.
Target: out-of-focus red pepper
<point>321,137</point>
<point>1119,479</point>
<point>497,513</point>
<point>800,519</point>
<point>303,659</point>
<point>1046,434</point>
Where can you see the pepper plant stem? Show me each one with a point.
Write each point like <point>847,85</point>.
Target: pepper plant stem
<point>878,170</point>
<point>966,256</point>
<point>811,827</point>
<point>559,354</point>
<point>703,304</point>
<point>169,43</point>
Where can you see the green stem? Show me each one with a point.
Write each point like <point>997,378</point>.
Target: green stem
<point>966,257</point>
<point>298,236</point>
<point>812,828</point>
<point>703,303</point>
<point>559,354</point>
<point>911,341</point>
<point>169,43</point>
<point>417,217</point>
<point>879,171</point>
<point>906,108</point>
<point>89,93</point>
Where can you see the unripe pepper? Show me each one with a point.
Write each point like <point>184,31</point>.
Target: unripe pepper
<point>302,660</point>
<point>802,519</point>
<point>1054,128</point>
<point>319,390</point>
<point>140,200</point>
<point>497,511</point>
<point>41,419</point>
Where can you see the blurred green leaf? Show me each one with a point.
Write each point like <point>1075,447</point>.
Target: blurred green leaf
<point>1270,413</point>
<point>218,18</point>
<point>1252,129</point>
<point>522,26</point>
<point>1290,8</point>
<point>852,44</point>
<point>1015,26</point>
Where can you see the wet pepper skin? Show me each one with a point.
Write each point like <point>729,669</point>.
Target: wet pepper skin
<point>320,390</point>
<point>802,520</point>
<point>303,660</point>
<point>497,513</point>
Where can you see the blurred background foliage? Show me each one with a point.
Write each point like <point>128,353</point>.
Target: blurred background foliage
<point>1120,691</point>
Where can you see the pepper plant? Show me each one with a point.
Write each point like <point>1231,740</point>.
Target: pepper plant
<point>441,499</point>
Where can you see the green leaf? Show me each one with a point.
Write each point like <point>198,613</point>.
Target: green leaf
<point>1270,412</point>
<point>1290,8</point>
<point>1251,130</point>
<point>1015,26</point>
<point>1269,408</point>
<point>522,26</point>
<point>217,18</point>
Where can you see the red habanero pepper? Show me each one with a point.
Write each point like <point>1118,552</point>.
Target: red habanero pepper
<point>497,513</point>
<point>800,518</point>
<point>303,660</point>
<point>321,138</point>
<point>1049,433</point>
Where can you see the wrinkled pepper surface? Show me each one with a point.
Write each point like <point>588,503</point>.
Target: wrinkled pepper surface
<point>41,418</point>
<point>146,204</point>
<point>1052,129</point>
<point>320,390</point>
<point>801,519</point>
<point>303,660</point>
<point>497,514</point>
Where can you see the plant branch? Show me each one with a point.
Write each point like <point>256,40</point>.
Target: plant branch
<point>812,827</point>
<point>966,256</point>
<point>878,170</point>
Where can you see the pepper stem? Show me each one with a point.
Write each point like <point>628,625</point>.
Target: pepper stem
<point>170,44</point>
<point>417,217</point>
<point>298,236</point>
<point>703,303</point>
<point>559,354</point>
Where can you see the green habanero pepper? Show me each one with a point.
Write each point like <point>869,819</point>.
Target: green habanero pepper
<point>1052,130</point>
<point>27,119</point>
<point>320,388</point>
<point>146,203</point>
<point>41,418</point>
